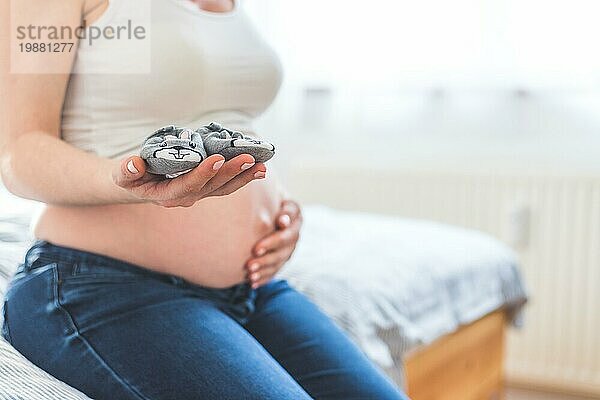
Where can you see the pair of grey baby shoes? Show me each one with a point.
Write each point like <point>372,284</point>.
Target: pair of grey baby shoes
<point>173,150</point>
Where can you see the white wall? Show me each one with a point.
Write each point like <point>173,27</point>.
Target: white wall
<point>508,129</point>
<point>504,84</point>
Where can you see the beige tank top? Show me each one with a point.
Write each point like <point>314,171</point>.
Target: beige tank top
<point>193,67</point>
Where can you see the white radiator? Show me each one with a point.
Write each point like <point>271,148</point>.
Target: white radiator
<point>552,221</point>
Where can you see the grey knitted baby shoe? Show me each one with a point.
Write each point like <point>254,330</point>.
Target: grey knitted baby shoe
<point>172,151</point>
<point>228,143</point>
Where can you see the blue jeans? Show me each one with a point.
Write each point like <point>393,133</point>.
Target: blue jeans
<point>118,331</point>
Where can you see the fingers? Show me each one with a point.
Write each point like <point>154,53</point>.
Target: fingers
<point>191,184</point>
<point>269,259</point>
<point>290,210</point>
<point>268,265</point>
<point>212,177</point>
<point>255,172</point>
<point>263,276</point>
<point>230,169</point>
<point>278,239</point>
<point>129,170</point>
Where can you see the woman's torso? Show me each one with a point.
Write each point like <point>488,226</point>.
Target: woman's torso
<point>193,67</point>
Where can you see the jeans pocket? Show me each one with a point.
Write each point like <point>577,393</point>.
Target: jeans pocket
<point>85,272</point>
<point>5,329</point>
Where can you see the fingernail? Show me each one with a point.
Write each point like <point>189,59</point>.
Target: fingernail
<point>260,175</point>
<point>255,276</point>
<point>260,252</point>
<point>254,267</point>
<point>247,166</point>
<point>255,286</point>
<point>131,167</point>
<point>285,220</point>
<point>218,165</point>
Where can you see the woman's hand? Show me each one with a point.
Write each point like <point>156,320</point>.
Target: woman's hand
<point>272,252</point>
<point>213,177</point>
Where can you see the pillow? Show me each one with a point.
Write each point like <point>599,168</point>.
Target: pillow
<point>21,380</point>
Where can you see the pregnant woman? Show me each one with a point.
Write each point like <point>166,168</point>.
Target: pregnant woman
<point>148,288</point>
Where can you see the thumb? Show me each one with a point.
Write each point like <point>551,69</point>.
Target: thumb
<point>284,221</point>
<point>289,212</point>
<point>129,170</point>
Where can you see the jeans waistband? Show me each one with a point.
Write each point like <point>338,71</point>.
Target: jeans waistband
<point>42,252</point>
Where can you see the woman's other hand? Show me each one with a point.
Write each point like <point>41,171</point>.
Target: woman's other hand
<point>213,177</point>
<point>273,251</point>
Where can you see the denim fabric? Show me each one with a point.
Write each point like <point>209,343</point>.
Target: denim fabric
<point>118,331</point>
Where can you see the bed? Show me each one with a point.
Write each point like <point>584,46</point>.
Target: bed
<point>464,365</point>
<point>429,303</point>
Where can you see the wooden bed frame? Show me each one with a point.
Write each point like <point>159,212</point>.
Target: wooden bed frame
<point>465,365</point>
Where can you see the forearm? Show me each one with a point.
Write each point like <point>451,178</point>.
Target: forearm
<point>41,167</point>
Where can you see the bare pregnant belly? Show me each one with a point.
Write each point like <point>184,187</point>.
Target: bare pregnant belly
<point>207,244</point>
